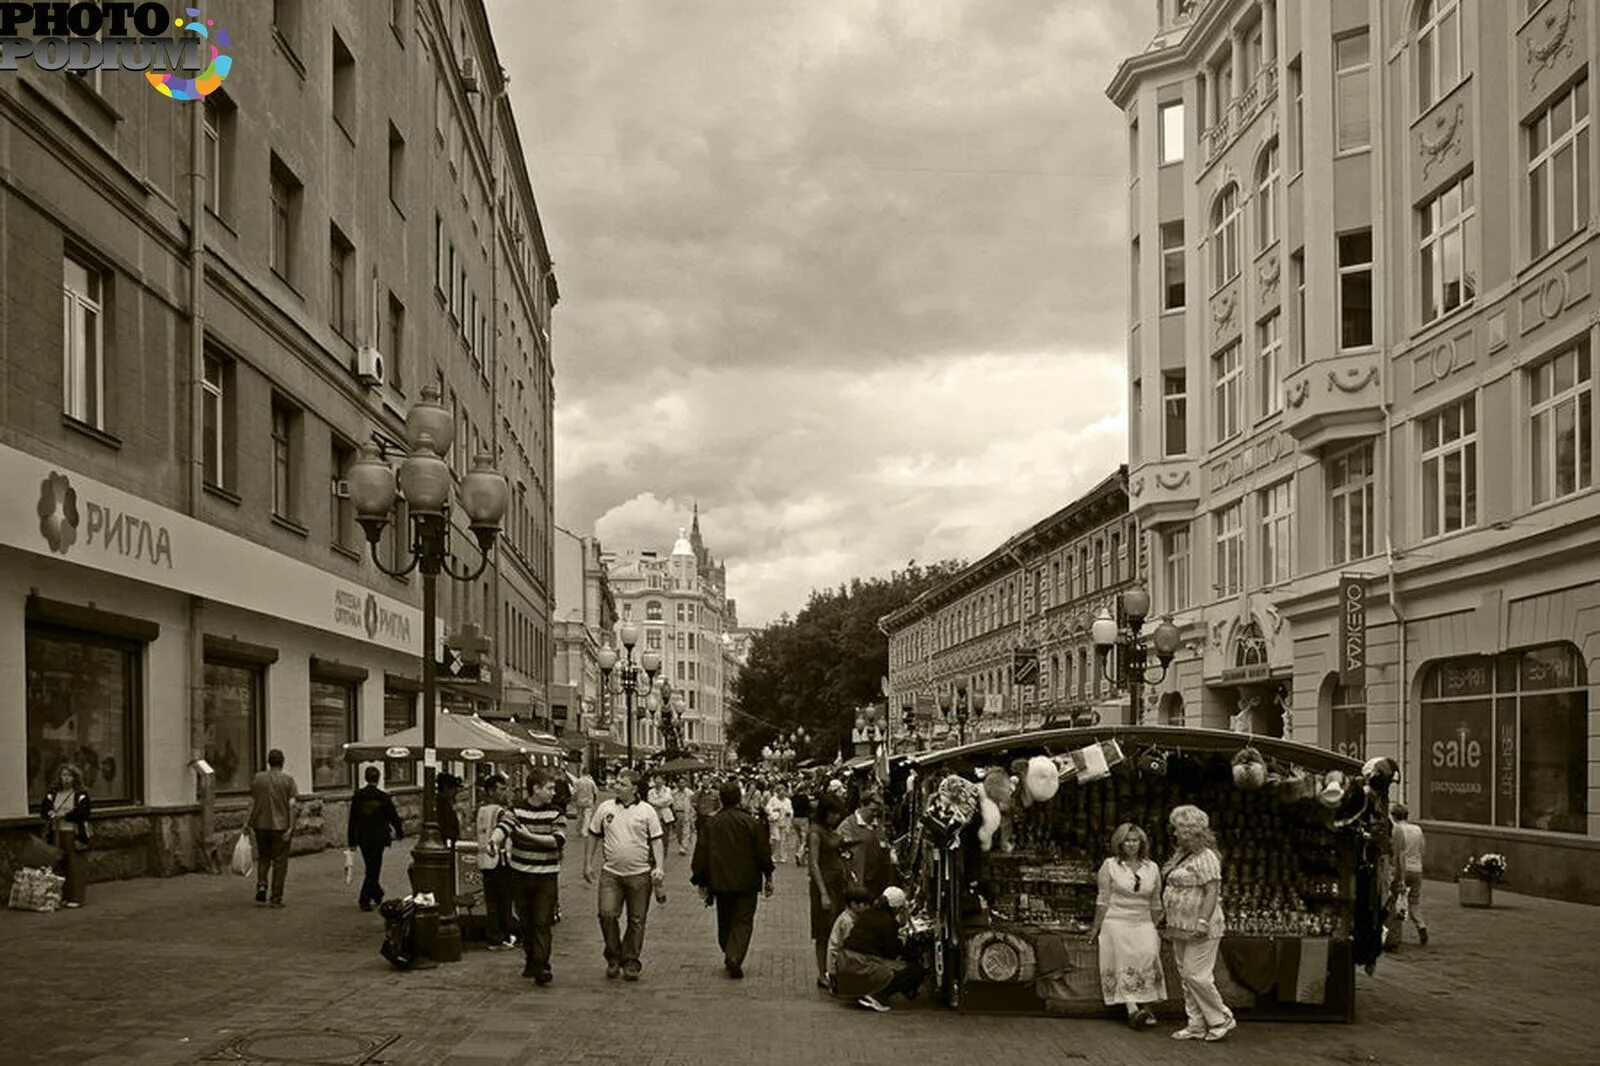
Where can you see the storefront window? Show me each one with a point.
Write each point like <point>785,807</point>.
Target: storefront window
<point>233,716</point>
<point>1349,720</point>
<point>399,712</point>
<point>1505,740</point>
<point>82,701</point>
<point>333,706</point>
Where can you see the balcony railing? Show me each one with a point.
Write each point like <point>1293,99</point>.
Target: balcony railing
<point>1239,113</point>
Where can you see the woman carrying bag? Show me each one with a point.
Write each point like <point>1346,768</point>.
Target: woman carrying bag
<point>65,810</point>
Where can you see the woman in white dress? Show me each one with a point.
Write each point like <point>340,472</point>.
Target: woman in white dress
<point>1125,915</point>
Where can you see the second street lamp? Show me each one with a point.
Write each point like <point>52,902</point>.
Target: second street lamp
<point>628,671</point>
<point>1133,667</point>
<point>425,479</point>
<point>961,707</point>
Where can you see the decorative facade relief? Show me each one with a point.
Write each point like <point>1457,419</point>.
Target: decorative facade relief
<point>1555,43</point>
<point>1442,139</point>
<point>1352,379</point>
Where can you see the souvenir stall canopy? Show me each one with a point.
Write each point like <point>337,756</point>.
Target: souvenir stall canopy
<point>458,738</point>
<point>1006,836</point>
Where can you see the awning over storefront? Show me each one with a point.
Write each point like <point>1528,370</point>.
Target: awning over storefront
<point>457,737</point>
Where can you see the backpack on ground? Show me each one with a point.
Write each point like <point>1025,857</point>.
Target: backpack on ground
<point>399,932</point>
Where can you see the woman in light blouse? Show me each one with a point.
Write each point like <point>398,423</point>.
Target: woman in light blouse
<point>1192,894</point>
<point>1126,912</point>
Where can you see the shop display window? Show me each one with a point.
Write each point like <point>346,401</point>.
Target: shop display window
<point>1505,740</point>
<point>1348,717</point>
<point>233,702</point>
<point>333,712</point>
<point>399,713</point>
<point>82,700</point>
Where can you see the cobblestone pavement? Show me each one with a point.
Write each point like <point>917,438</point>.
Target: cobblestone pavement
<point>173,971</point>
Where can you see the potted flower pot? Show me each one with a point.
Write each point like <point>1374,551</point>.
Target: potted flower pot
<point>1475,892</point>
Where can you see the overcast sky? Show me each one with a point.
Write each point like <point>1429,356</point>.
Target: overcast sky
<point>847,272</point>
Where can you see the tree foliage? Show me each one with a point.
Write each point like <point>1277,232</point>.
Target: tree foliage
<point>816,669</point>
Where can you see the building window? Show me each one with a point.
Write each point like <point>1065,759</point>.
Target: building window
<point>1355,289</point>
<point>83,710</point>
<point>1228,526</point>
<point>1449,250</point>
<point>217,420</point>
<point>1352,486</point>
<point>1505,740</point>
<point>682,671</point>
<point>1352,108</point>
<point>1438,51</point>
<point>1558,169</point>
<point>652,611</point>
<point>1133,149</point>
<point>1297,121</point>
<point>341,263</point>
<point>399,713</point>
<point>1172,267</point>
<point>393,343</point>
<point>1133,281</point>
<point>1561,417</point>
<point>341,509</point>
<point>1297,279</point>
<point>1267,196</point>
<point>285,195</point>
<point>652,639</point>
<point>234,722</point>
<point>286,22</point>
<point>1225,237</point>
<point>1171,131</point>
<point>1277,533</point>
<point>1176,567</point>
<point>397,169</point>
<point>344,87</point>
<point>333,720</point>
<point>1227,377</point>
<point>1348,721</point>
<point>83,338</point>
<point>1269,364</point>
<point>681,614</point>
<point>285,427</point>
<point>218,127</point>
<point>1449,448</point>
<point>440,269</point>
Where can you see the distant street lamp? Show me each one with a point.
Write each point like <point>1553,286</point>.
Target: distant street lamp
<point>961,707</point>
<point>786,747</point>
<point>425,480</point>
<point>1133,667</point>
<point>908,711</point>
<point>649,661</point>
<point>667,709</point>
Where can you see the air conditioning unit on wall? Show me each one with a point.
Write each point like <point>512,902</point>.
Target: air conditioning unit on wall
<point>369,365</point>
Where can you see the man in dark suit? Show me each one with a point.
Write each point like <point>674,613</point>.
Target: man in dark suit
<point>732,862</point>
<point>372,815</point>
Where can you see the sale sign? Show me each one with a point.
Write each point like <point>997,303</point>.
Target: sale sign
<point>1458,761</point>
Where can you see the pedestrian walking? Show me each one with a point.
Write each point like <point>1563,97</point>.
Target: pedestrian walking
<point>373,822</point>
<point>499,881</point>
<point>1126,911</point>
<point>271,819</point>
<point>446,787</point>
<point>732,862</point>
<point>660,797</point>
<point>779,813</point>
<point>872,963</point>
<point>627,833</point>
<point>585,796</point>
<point>829,882</point>
<point>65,810</point>
<point>682,816</point>
<point>1409,847</point>
<point>800,822</point>
<point>1192,899</point>
<point>532,836</point>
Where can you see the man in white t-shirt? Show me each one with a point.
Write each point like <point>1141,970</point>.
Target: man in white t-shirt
<point>627,832</point>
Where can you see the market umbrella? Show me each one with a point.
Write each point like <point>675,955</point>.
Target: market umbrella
<point>457,737</point>
<point>684,764</point>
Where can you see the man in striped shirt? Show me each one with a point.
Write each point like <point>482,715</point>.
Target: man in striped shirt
<point>532,833</point>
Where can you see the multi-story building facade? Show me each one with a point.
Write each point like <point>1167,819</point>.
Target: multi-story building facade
<point>184,583</point>
<point>681,605</point>
<point>1361,332</point>
<point>1039,591</point>
<point>584,614</point>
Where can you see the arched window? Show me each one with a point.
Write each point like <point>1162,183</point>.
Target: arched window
<point>1171,708</point>
<point>1267,196</point>
<point>1225,236</point>
<point>1438,50</point>
<point>652,611</point>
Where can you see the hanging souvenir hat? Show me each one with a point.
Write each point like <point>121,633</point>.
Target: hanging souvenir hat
<point>1334,788</point>
<point>1298,786</point>
<point>1154,763</point>
<point>1041,780</point>
<point>1380,772</point>
<point>1249,769</point>
<point>989,812</point>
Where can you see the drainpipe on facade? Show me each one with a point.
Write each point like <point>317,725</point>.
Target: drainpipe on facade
<point>1402,702</point>
<point>205,783</point>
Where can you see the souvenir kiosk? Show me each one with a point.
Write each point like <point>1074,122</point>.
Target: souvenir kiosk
<point>1006,836</point>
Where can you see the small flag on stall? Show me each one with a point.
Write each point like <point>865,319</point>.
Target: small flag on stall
<point>1303,970</point>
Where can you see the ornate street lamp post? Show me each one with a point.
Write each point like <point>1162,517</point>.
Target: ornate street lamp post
<point>628,671</point>
<point>1133,667</point>
<point>962,707</point>
<point>425,480</point>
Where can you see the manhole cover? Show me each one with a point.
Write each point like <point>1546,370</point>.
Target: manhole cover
<point>304,1049</point>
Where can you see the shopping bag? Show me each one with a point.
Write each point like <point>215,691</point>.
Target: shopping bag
<point>37,854</point>
<point>36,890</point>
<point>349,864</point>
<point>244,856</point>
